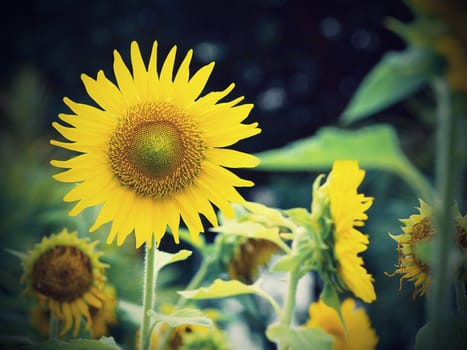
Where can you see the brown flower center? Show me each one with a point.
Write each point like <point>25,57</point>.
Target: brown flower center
<point>63,273</point>
<point>156,150</point>
<point>422,231</point>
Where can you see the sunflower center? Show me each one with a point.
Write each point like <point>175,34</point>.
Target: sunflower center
<point>62,273</point>
<point>156,150</point>
<point>422,231</point>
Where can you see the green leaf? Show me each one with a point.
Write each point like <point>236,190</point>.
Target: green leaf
<point>222,289</point>
<point>183,316</point>
<point>299,338</point>
<point>104,343</point>
<point>375,147</point>
<point>254,230</point>
<point>395,77</point>
<point>164,258</point>
<point>287,263</point>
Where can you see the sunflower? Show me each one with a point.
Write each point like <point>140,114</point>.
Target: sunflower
<point>154,152</point>
<point>64,274</point>
<point>418,228</point>
<point>101,318</point>
<point>249,255</point>
<point>348,209</point>
<point>359,334</point>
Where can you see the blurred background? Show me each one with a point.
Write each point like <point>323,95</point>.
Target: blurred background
<point>298,61</point>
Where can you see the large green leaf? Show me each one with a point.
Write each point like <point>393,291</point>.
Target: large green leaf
<point>395,77</point>
<point>223,289</point>
<point>375,147</point>
<point>183,316</point>
<point>295,338</point>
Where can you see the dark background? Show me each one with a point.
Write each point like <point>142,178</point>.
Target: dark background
<point>299,62</point>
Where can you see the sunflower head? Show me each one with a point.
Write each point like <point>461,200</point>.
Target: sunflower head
<point>154,151</point>
<point>64,273</point>
<point>337,211</point>
<point>101,318</point>
<point>248,256</point>
<point>359,334</point>
<point>417,228</point>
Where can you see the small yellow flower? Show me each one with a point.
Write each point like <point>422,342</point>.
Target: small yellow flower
<point>418,228</point>
<point>154,152</point>
<point>348,209</point>
<point>64,274</point>
<point>359,335</point>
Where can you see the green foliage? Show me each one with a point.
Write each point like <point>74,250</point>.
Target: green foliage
<point>104,343</point>
<point>222,289</point>
<point>456,336</point>
<point>395,77</point>
<point>181,317</point>
<point>318,152</point>
<point>163,258</point>
<point>295,338</point>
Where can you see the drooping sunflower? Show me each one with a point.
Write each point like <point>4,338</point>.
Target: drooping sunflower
<point>249,256</point>
<point>101,318</point>
<point>154,152</point>
<point>359,334</point>
<point>65,275</point>
<point>418,228</point>
<point>348,208</point>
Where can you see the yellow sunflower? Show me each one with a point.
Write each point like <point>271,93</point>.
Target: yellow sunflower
<point>154,152</point>
<point>64,274</point>
<point>101,318</point>
<point>359,335</point>
<point>348,209</point>
<point>417,228</point>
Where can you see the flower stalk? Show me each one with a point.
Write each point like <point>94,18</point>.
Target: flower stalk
<point>289,306</point>
<point>149,296</point>
<point>443,216</point>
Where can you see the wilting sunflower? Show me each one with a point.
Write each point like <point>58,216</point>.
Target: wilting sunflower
<point>64,274</point>
<point>348,209</point>
<point>154,150</point>
<point>418,228</point>
<point>359,335</point>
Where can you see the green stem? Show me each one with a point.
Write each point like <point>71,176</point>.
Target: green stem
<point>289,303</point>
<point>443,218</point>
<point>149,296</point>
<point>460,293</point>
<point>54,326</point>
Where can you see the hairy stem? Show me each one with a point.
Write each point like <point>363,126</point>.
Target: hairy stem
<point>149,296</point>
<point>289,303</point>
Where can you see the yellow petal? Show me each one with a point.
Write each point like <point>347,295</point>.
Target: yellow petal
<point>124,80</point>
<point>165,80</point>
<point>139,71</point>
<point>67,318</point>
<point>104,93</point>
<point>231,158</point>
<point>153,77</point>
